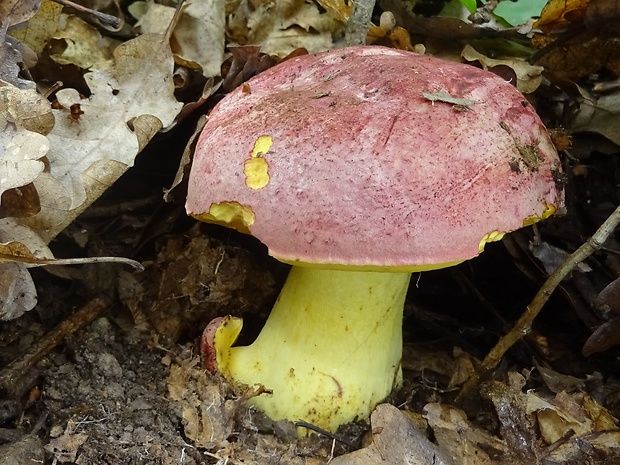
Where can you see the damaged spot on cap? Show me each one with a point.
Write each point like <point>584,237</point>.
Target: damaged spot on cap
<point>230,214</point>
<point>256,168</point>
<point>530,154</point>
<point>490,237</point>
<point>547,212</point>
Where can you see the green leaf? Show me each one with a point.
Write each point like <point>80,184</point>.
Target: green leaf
<point>469,4</point>
<point>519,11</point>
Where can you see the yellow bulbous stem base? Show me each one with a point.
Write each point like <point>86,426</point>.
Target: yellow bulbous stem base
<point>330,350</point>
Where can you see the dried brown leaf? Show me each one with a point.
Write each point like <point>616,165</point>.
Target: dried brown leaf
<point>395,440</point>
<point>10,62</point>
<point>598,113</point>
<point>129,103</point>
<point>516,423</point>
<point>339,9</point>
<point>22,150</point>
<point>559,14</point>
<point>461,438</point>
<point>562,14</point>
<point>80,44</point>
<point>207,416</point>
<point>606,336</point>
<point>609,297</point>
<point>39,29</point>
<point>281,27</point>
<point>17,292</point>
<point>18,11</point>
<point>20,154</point>
<point>198,38</point>
<point>528,76</point>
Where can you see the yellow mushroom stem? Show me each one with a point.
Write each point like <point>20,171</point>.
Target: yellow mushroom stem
<point>330,350</point>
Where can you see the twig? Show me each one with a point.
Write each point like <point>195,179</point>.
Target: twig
<point>524,324</point>
<point>565,37</point>
<point>11,374</point>
<point>316,429</point>
<point>33,262</point>
<point>181,7</point>
<point>112,21</point>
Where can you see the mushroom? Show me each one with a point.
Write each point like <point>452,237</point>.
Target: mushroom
<point>359,166</point>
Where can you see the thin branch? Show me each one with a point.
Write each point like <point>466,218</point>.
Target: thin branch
<point>524,325</point>
<point>11,374</point>
<point>106,19</point>
<point>32,262</point>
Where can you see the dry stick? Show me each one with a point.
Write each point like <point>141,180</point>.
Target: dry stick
<point>104,18</point>
<point>524,324</point>
<point>359,22</point>
<point>11,374</point>
<point>34,262</point>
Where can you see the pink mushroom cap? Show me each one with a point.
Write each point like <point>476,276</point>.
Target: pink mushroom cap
<point>374,158</point>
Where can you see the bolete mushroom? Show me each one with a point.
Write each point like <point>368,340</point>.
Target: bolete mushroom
<point>359,166</point>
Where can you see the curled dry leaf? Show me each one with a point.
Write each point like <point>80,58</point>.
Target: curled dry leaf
<point>10,59</point>
<point>557,382</point>
<point>575,427</point>
<point>560,14</point>
<point>244,62</point>
<point>609,297</point>
<point>81,44</point>
<point>198,38</point>
<point>40,27</point>
<point>184,164</point>
<point>552,257</point>
<point>461,438</point>
<point>339,9</point>
<point>26,109</point>
<point>395,441</point>
<point>606,336</point>
<point>21,248</point>
<point>528,76</point>
<point>17,292</point>
<point>579,40</point>
<point>598,113</point>
<point>18,11</point>
<point>282,27</point>
<point>577,412</point>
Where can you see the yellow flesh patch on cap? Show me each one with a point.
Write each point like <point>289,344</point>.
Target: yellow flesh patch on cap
<point>547,212</point>
<point>256,168</point>
<point>229,214</point>
<point>490,237</point>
